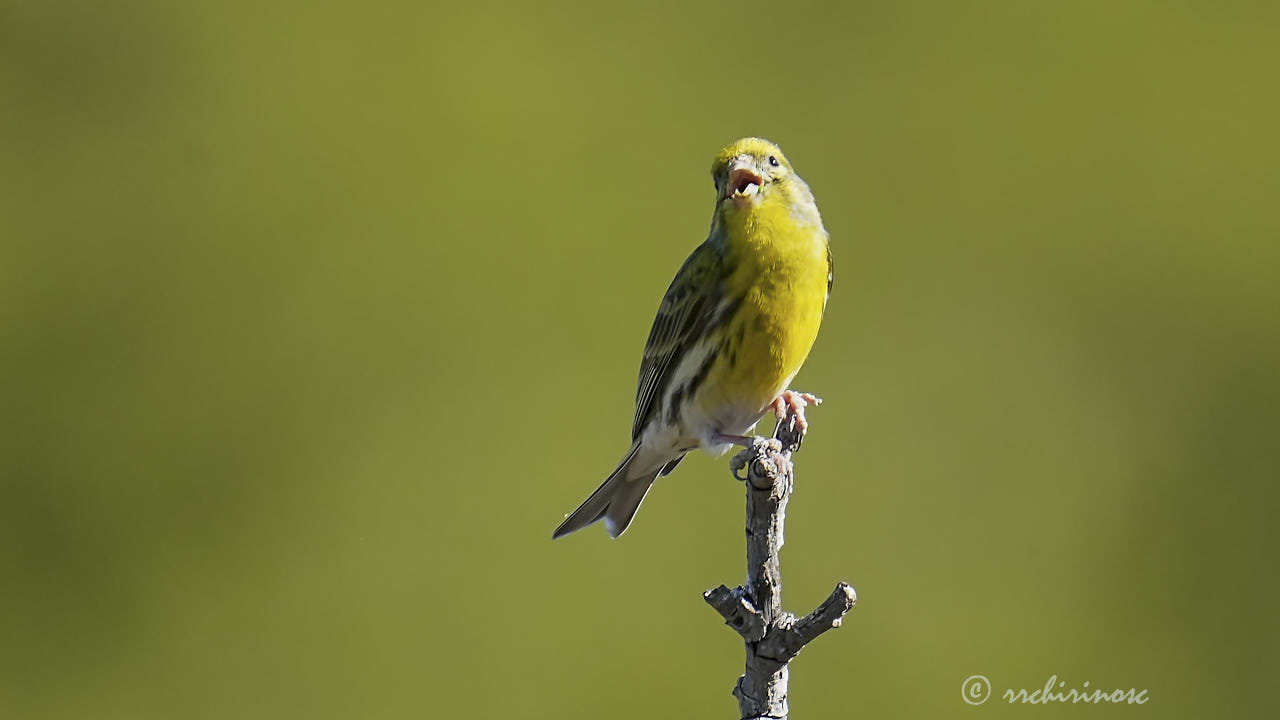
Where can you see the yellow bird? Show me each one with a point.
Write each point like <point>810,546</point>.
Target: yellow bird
<point>732,331</point>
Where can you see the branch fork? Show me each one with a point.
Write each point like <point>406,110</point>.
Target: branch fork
<point>772,636</point>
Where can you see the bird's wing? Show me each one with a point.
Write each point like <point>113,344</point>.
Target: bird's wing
<point>682,318</point>
<point>831,275</point>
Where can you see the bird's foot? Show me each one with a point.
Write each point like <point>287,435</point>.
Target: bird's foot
<point>757,447</point>
<point>793,403</point>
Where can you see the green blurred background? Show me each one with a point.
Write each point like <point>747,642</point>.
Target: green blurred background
<point>314,322</point>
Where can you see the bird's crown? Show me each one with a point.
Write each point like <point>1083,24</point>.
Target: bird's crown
<point>752,146</point>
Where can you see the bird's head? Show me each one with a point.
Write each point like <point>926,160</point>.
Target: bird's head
<point>753,172</point>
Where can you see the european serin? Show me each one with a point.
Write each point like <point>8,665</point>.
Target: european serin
<point>732,331</point>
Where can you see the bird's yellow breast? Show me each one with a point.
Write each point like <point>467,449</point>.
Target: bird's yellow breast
<point>779,274</point>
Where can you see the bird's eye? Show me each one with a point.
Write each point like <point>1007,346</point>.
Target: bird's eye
<point>773,161</point>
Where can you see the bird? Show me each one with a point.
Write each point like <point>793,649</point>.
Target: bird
<point>731,332</point>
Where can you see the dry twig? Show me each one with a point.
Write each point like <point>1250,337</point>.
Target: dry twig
<point>772,636</point>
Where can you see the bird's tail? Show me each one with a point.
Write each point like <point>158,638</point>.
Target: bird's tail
<point>615,502</point>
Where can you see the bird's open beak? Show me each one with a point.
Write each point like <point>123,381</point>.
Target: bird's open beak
<point>744,183</point>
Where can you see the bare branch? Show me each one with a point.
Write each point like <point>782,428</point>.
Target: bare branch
<point>772,637</point>
<point>737,611</point>
<point>828,616</point>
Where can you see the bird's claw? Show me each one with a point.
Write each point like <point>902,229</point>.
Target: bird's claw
<point>759,446</point>
<point>789,406</point>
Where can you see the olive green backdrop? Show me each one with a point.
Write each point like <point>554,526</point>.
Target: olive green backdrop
<point>315,321</point>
